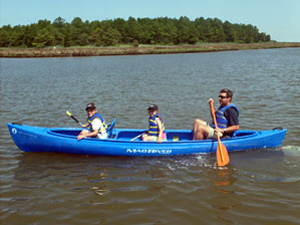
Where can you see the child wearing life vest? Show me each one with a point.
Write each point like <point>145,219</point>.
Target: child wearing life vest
<point>156,127</point>
<point>95,123</point>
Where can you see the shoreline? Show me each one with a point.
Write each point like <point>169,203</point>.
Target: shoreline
<point>141,50</point>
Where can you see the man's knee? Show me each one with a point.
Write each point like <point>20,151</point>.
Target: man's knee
<point>199,122</point>
<point>196,122</point>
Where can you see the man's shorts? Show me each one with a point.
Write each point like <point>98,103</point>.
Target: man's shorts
<point>211,133</point>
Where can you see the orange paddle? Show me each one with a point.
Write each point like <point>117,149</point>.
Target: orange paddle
<point>222,154</point>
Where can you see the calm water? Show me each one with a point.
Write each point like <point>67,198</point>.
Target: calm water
<point>258,187</point>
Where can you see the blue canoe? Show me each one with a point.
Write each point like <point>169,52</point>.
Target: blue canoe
<point>120,143</point>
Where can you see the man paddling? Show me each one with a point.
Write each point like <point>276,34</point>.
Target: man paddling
<point>95,123</point>
<point>227,119</point>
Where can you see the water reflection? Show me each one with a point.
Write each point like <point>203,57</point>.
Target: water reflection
<point>225,176</point>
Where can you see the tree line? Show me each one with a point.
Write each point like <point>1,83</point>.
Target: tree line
<point>163,30</point>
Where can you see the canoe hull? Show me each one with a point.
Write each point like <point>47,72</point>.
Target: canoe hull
<point>63,140</point>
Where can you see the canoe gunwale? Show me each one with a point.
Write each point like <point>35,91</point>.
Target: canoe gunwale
<point>56,132</point>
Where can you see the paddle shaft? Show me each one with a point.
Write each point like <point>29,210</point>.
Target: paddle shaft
<point>224,160</point>
<point>73,117</point>
<point>213,113</point>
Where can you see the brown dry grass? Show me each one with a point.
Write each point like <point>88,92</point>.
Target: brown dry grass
<point>106,51</point>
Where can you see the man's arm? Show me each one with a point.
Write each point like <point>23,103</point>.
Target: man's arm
<point>233,120</point>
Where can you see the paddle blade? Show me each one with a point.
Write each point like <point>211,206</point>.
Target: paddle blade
<point>222,155</point>
<point>68,113</point>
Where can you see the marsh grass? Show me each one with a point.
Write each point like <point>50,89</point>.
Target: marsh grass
<point>59,51</point>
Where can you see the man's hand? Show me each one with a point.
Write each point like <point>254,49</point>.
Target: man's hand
<point>220,131</point>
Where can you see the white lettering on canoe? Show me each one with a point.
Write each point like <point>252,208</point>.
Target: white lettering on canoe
<point>149,151</point>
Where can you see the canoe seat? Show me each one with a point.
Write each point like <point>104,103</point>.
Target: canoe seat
<point>110,128</point>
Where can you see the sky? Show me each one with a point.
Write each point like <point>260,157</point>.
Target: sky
<point>278,18</point>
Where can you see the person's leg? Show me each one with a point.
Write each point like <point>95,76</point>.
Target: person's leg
<point>84,132</point>
<point>147,137</point>
<point>200,130</point>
